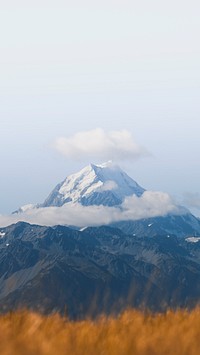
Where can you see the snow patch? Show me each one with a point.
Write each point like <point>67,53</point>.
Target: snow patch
<point>82,229</point>
<point>107,164</point>
<point>26,207</point>
<point>193,239</point>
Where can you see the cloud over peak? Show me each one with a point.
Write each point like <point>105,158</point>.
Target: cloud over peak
<point>150,204</point>
<point>98,144</point>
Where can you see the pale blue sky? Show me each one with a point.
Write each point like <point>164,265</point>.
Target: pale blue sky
<point>68,66</point>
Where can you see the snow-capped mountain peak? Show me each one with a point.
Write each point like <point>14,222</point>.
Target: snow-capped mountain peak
<point>103,184</point>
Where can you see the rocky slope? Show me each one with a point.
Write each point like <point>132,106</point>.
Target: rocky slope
<point>97,269</point>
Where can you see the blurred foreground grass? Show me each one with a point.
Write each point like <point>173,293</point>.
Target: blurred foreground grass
<point>132,332</point>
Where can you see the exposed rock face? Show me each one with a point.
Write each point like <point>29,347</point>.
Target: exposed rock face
<point>98,269</point>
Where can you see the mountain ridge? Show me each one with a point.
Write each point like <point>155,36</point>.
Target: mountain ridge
<point>100,269</point>
<point>107,185</point>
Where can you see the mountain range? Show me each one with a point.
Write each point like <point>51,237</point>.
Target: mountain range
<point>149,262</point>
<point>109,186</point>
<point>95,270</point>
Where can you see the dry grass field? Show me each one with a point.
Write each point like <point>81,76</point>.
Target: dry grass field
<point>132,332</point>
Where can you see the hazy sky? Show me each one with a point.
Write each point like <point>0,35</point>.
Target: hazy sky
<point>72,66</point>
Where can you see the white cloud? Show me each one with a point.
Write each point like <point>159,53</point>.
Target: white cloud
<point>150,204</point>
<point>98,144</point>
<point>109,185</point>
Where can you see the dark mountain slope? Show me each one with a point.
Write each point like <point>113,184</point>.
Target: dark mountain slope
<point>98,269</point>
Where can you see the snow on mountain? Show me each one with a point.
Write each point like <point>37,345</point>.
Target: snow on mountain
<point>105,184</point>
<point>98,187</point>
<point>105,194</point>
<point>193,239</point>
<point>25,208</point>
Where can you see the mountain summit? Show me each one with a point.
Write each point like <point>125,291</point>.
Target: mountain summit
<point>106,184</point>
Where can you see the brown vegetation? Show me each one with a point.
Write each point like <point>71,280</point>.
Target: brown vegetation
<point>132,332</point>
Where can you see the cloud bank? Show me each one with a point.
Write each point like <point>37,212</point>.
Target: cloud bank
<point>150,204</point>
<point>98,144</point>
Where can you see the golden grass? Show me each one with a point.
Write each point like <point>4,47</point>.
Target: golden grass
<point>132,332</point>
